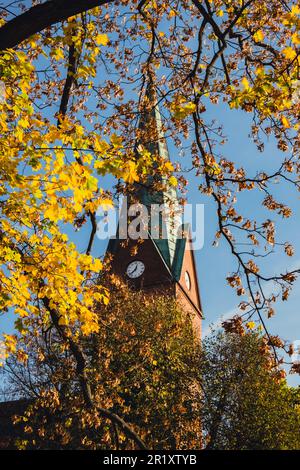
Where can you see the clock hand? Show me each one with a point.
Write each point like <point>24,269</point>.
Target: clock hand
<point>132,270</point>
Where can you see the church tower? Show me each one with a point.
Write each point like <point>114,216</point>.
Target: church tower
<point>163,262</point>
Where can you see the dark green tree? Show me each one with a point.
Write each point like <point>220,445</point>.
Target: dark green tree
<point>247,404</point>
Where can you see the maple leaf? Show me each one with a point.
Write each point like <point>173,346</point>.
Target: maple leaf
<point>250,325</point>
<point>285,122</point>
<point>258,35</point>
<point>129,172</point>
<point>289,53</point>
<point>173,181</point>
<point>182,108</point>
<point>102,39</point>
<point>245,83</point>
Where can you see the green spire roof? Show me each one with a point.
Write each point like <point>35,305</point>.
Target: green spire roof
<point>150,135</point>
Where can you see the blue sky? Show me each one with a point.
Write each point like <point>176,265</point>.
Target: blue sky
<point>214,264</point>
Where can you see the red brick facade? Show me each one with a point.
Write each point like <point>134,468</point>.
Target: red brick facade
<point>158,278</point>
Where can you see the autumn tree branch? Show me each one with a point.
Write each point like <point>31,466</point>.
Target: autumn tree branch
<point>40,17</point>
<point>73,59</point>
<point>81,366</point>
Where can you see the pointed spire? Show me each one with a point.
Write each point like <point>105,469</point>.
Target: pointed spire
<point>150,135</point>
<point>150,132</point>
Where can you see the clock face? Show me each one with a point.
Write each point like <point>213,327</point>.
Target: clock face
<point>187,280</point>
<point>135,269</point>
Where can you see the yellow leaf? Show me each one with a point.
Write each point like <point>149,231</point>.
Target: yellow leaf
<point>260,71</point>
<point>289,53</point>
<point>213,169</point>
<point>296,38</point>
<point>182,109</point>
<point>97,265</point>
<point>216,169</point>
<point>51,212</point>
<point>173,181</point>
<point>250,325</point>
<point>58,54</point>
<point>245,83</point>
<point>129,174</point>
<point>100,165</point>
<point>68,422</point>
<point>10,342</point>
<point>23,122</point>
<point>116,140</point>
<point>106,203</point>
<point>167,166</point>
<point>285,122</point>
<point>258,36</point>
<point>63,320</point>
<point>295,10</point>
<point>102,39</point>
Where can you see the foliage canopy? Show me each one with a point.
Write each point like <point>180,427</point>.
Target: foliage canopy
<point>73,77</point>
<point>145,365</point>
